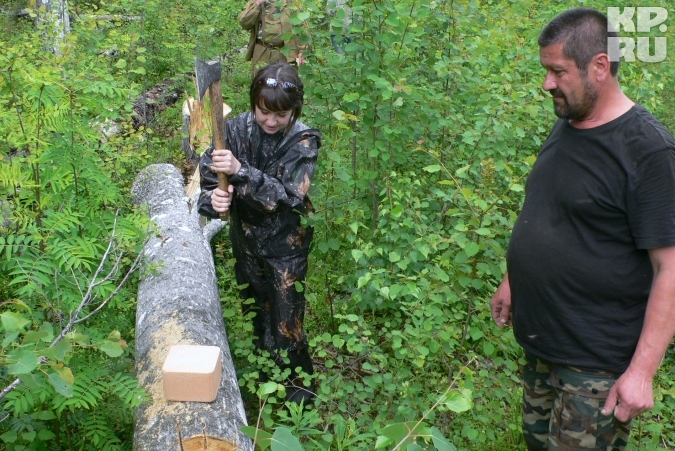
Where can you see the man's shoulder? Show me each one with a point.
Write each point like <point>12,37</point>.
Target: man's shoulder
<point>651,126</point>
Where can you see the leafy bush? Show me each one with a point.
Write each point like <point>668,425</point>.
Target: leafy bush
<point>431,120</point>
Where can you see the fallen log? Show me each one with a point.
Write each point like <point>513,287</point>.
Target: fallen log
<point>179,303</point>
<point>155,100</point>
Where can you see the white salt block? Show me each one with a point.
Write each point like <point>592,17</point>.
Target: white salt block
<point>192,373</point>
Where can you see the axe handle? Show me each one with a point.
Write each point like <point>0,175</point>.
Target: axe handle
<point>216,94</point>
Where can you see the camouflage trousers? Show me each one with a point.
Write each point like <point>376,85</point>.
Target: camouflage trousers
<point>279,307</point>
<point>561,409</point>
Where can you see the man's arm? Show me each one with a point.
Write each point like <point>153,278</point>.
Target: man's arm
<point>500,304</point>
<point>632,393</point>
<point>249,17</point>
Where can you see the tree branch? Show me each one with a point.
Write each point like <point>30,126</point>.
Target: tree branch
<point>96,280</point>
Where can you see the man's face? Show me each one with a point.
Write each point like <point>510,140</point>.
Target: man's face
<point>574,96</point>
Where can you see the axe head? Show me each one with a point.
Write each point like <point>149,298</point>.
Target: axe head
<point>207,74</point>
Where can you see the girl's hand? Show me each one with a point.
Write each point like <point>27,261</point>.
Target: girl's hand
<point>260,2</point>
<point>300,60</point>
<point>224,161</point>
<point>221,200</point>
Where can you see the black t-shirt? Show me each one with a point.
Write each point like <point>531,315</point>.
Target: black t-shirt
<point>579,270</point>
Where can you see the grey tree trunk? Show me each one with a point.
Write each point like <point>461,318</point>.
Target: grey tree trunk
<point>178,303</point>
<point>56,14</point>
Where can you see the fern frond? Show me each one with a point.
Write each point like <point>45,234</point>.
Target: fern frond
<point>127,389</point>
<point>11,174</point>
<point>95,430</point>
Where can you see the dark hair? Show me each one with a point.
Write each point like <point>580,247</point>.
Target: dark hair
<point>277,87</point>
<point>583,32</point>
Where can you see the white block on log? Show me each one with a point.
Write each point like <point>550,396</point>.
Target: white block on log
<point>179,303</point>
<point>192,373</point>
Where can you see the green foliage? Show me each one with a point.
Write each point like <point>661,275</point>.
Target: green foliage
<point>68,238</point>
<point>431,121</point>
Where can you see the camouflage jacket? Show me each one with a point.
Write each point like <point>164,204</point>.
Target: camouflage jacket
<point>269,22</point>
<point>270,189</point>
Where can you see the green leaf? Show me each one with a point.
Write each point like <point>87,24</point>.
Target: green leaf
<point>13,322</point>
<point>462,170</point>
<point>283,440</point>
<point>9,437</point>
<point>66,374</point>
<point>442,275</point>
<point>25,361</point>
<point>121,63</point>
<point>468,137</point>
<point>382,441</point>
<point>334,244</point>
<point>44,414</point>
<point>466,192</point>
<point>112,348</point>
<point>357,254</point>
<point>433,168</point>
<point>9,338</point>
<point>62,387</point>
<point>530,160</point>
<point>483,231</point>
<point>45,435</point>
<point>32,380</point>
<point>440,442</point>
<point>397,211</point>
<point>396,432</point>
<point>115,335</point>
<point>61,348</point>
<point>267,388</point>
<point>394,257</point>
<point>263,438</point>
<point>363,280</point>
<point>29,436</point>
<point>471,249</point>
<point>457,402</point>
<point>476,333</point>
<point>33,336</point>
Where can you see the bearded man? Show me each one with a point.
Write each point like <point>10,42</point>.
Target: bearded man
<point>590,285</point>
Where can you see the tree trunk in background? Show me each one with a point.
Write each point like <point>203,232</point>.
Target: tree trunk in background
<point>179,303</point>
<point>56,14</point>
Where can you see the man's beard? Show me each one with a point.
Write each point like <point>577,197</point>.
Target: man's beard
<point>579,109</point>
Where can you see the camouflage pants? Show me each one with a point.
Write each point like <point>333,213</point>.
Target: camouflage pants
<point>279,307</point>
<point>561,409</point>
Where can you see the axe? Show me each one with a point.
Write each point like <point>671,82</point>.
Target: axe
<point>208,78</point>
